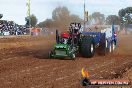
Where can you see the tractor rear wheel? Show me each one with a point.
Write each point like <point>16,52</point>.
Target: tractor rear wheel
<point>87,47</point>
<point>103,45</point>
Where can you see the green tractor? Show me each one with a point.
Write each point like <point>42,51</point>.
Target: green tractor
<point>75,42</point>
<point>66,43</point>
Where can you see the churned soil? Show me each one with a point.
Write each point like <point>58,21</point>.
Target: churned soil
<point>24,63</point>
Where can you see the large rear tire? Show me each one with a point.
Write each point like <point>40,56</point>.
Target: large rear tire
<point>87,47</point>
<point>103,45</point>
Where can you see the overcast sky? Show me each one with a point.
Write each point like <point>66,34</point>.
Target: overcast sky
<point>16,9</point>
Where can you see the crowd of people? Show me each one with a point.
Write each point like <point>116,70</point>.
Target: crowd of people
<point>11,28</point>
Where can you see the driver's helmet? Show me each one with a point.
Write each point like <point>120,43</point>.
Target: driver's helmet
<point>64,38</point>
<point>64,35</point>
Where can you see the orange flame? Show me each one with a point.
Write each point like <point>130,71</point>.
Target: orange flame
<point>85,73</point>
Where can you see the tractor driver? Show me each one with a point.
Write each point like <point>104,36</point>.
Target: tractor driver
<point>64,38</point>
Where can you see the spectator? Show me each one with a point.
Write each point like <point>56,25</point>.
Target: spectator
<point>12,28</point>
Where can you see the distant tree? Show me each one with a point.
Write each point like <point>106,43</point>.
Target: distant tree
<point>61,17</point>
<point>98,17</point>
<point>75,18</point>
<point>33,20</point>
<point>40,24</point>
<point>112,18</point>
<point>1,15</point>
<point>60,13</point>
<point>48,23</point>
<point>125,15</point>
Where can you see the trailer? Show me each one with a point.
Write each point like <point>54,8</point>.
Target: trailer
<point>85,43</point>
<point>105,41</point>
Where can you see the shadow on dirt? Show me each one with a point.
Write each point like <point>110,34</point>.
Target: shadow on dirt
<point>43,53</point>
<point>38,54</point>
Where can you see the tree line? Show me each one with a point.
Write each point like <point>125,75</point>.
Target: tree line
<point>61,18</point>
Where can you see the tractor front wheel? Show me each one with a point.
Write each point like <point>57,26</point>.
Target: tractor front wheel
<point>73,56</point>
<point>50,54</point>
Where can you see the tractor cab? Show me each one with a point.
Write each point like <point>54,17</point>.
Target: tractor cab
<point>74,33</point>
<point>75,27</point>
<point>68,37</point>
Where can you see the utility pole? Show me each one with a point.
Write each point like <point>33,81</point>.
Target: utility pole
<point>28,12</point>
<point>84,15</point>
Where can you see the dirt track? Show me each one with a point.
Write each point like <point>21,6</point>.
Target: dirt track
<point>24,64</point>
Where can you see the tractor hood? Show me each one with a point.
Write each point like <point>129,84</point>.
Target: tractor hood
<point>60,46</point>
<point>60,50</point>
